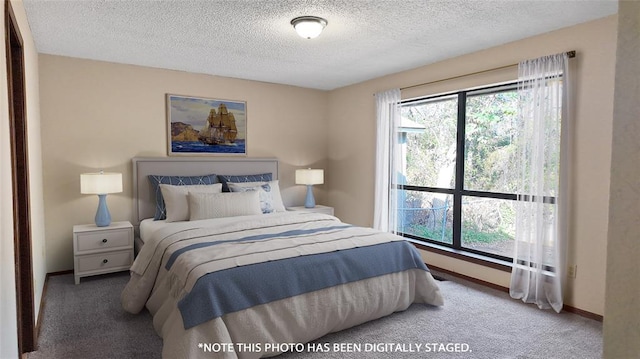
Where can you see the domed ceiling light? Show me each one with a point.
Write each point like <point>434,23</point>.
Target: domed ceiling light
<point>309,27</point>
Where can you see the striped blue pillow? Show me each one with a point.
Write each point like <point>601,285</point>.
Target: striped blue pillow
<point>262,177</point>
<point>156,180</point>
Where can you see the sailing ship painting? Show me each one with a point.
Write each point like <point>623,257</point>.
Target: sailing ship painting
<point>220,127</point>
<point>206,126</point>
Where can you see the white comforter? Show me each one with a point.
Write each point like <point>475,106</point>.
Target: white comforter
<point>252,332</point>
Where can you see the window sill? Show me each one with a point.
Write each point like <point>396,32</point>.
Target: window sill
<point>463,255</point>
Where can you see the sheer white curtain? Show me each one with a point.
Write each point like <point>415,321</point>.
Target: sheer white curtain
<point>541,212</point>
<point>388,118</point>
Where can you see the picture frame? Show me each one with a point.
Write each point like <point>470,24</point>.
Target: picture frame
<point>206,126</point>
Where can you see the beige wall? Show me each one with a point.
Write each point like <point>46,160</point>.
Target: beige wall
<point>8,329</point>
<point>622,308</point>
<point>98,115</point>
<point>351,147</point>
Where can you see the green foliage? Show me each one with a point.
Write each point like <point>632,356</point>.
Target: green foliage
<point>490,151</point>
<point>430,233</point>
<point>471,234</point>
<point>434,149</point>
<point>490,159</point>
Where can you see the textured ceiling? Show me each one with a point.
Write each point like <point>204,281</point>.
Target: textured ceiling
<point>254,40</point>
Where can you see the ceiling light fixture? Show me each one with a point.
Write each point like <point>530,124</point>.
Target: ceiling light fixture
<point>309,27</point>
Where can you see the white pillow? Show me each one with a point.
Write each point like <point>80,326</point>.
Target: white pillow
<point>175,199</point>
<point>270,198</point>
<point>219,205</point>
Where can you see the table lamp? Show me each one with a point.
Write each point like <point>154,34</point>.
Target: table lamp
<point>101,183</point>
<point>309,177</point>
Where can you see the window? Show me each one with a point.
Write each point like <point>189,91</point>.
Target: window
<point>457,180</point>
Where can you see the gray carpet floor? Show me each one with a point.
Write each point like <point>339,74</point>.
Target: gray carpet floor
<point>86,321</point>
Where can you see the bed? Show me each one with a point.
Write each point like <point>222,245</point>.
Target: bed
<point>257,283</point>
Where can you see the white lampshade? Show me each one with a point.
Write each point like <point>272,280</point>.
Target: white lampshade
<point>309,27</point>
<point>100,183</point>
<point>309,176</point>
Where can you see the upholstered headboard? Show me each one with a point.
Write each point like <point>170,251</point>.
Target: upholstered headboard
<point>144,197</point>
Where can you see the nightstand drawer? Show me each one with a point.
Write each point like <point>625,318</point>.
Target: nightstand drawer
<point>91,241</point>
<point>104,261</point>
<point>99,250</point>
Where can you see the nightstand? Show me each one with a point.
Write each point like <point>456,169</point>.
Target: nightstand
<point>317,209</point>
<point>99,250</point>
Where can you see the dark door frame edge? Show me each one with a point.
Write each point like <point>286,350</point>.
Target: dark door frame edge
<point>27,336</point>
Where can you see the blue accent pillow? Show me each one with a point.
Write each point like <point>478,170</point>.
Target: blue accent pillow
<point>156,180</point>
<point>266,199</point>
<point>262,177</point>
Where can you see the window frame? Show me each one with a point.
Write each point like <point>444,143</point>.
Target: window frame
<point>458,192</point>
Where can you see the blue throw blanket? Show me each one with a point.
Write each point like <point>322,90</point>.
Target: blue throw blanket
<point>234,289</point>
<point>257,237</point>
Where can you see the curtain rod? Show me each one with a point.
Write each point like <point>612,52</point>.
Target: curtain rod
<point>570,54</point>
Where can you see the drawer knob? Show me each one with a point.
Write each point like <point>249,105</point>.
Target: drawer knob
<point>105,261</point>
<point>104,240</point>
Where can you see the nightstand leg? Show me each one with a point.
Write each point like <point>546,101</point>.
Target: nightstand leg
<point>77,278</point>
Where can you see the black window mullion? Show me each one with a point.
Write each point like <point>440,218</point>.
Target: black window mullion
<point>425,189</point>
<point>545,199</point>
<point>459,181</point>
<point>498,195</point>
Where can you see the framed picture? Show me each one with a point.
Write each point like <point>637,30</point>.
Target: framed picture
<point>204,126</point>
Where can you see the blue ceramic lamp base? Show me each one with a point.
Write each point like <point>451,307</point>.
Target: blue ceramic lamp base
<point>103,217</point>
<point>309,201</point>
